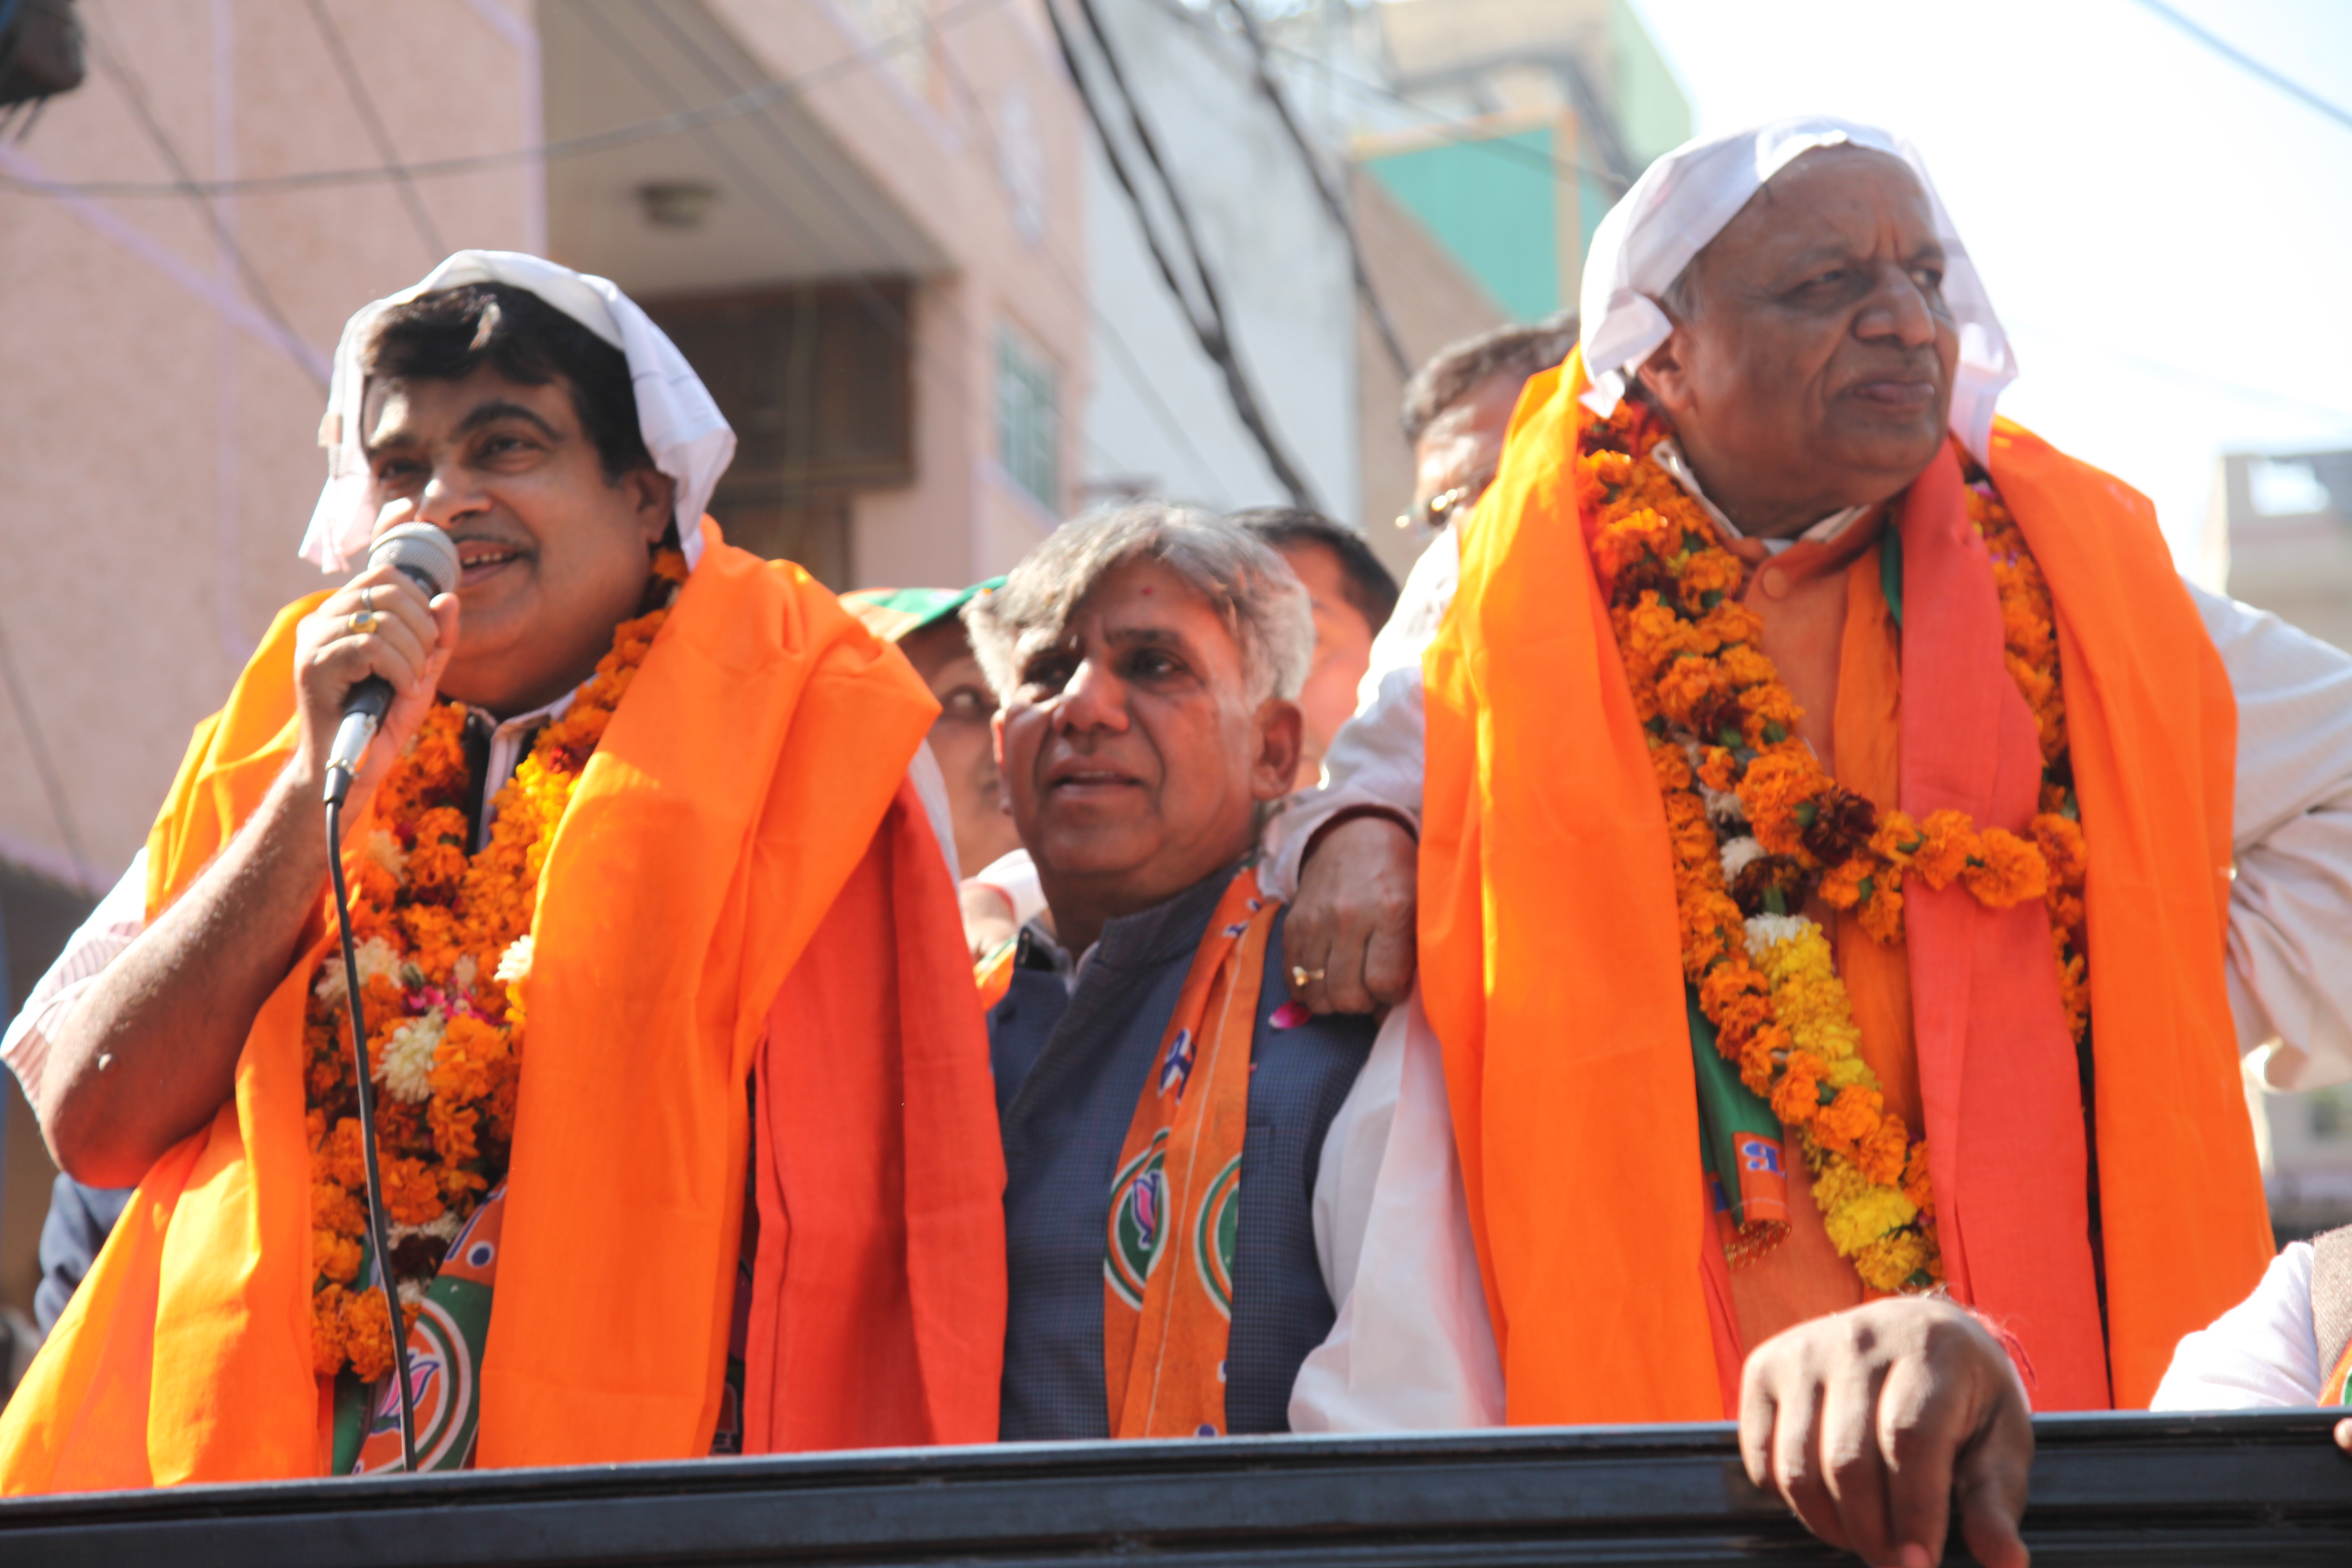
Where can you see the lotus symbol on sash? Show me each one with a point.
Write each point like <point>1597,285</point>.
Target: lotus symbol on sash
<point>1138,1228</point>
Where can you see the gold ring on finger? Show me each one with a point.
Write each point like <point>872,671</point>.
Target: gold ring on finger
<point>1302,975</point>
<point>364,622</point>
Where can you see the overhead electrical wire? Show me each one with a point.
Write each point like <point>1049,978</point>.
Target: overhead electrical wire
<point>1271,90</point>
<point>1164,415</point>
<point>1206,317</point>
<point>947,369</point>
<point>116,67</point>
<point>747,102</point>
<point>363,102</point>
<point>2246,62</point>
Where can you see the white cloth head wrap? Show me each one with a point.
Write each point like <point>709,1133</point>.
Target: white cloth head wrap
<point>688,439</point>
<point>1685,200</point>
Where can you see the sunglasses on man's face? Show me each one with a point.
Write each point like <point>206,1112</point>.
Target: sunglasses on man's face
<point>1438,511</point>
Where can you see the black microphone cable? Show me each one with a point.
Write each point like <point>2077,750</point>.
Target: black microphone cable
<point>379,1223</point>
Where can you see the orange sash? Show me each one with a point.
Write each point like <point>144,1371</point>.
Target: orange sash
<point>1175,1212</point>
<point>722,840</point>
<point>1568,1054</point>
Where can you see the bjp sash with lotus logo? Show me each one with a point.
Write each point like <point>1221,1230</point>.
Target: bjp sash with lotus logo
<point>1175,1210</point>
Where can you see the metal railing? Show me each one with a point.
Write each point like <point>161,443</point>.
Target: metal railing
<point>2268,1488</point>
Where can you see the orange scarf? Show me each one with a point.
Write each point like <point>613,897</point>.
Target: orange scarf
<point>743,873</point>
<point>1568,1053</point>
<point>1168,1263</point>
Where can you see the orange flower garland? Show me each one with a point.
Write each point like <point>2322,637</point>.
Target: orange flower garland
<point>1757,826</point>
<point>444,945</point>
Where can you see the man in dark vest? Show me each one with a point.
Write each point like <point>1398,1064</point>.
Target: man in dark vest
<point>1190,1164</point>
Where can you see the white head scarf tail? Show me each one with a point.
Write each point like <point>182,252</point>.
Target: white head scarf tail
<point>688,439</point>
<point>1685,200</point>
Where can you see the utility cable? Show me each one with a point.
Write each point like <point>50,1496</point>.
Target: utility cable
<point>114,65</point>
<point>1209,330</point>
<point>751,101</point>
<point>1332,203</point>
<point>1462,132</point>
<point>878,307</point>
<point>1170,425</point>
<point>2253,67</point>
<point>355,87</point>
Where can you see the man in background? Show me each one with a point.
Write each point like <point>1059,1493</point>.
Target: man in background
<point>1458,405</point>
<point>1352,595</point>
<point>925,623</point>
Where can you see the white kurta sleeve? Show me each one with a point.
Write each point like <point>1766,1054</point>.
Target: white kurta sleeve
<point>931,789</point>
<point>116,921</point>
<point>1411,1349</point>
<point>1376,757</point>
<point>2260,1355</point>
<point>2290,946</point>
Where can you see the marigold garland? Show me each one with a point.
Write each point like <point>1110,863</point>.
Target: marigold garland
<point>1757,826</point>
<point>444,946</point>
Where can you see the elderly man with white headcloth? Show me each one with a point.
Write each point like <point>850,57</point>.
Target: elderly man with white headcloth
<point>657,943</point>
<point>1844,861</point>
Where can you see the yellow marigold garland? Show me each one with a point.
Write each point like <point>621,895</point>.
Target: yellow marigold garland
<point>1723,738</point>
<point>444,945</point>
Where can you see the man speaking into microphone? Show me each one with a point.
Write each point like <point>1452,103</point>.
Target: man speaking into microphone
<point>645,821</point>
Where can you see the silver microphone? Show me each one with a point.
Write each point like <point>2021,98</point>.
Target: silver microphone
<point>430,560</point>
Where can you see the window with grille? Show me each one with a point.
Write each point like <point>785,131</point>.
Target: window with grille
<point>1027,418</point>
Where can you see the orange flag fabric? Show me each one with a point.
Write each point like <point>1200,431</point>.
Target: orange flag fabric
<point>742,817</point>
<point>1175,1210</point>
<point>1549,949</point>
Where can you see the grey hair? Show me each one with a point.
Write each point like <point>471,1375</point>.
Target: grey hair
<point>1250,587</point>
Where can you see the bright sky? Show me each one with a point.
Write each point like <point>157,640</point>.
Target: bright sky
<point>2167,237</point>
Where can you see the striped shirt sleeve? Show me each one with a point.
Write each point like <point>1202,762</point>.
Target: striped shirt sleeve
<point>119,919</point>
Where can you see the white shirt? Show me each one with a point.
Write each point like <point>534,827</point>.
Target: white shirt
<point>2260,1355</point>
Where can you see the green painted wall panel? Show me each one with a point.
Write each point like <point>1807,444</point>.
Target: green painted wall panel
<point>1493,209</point>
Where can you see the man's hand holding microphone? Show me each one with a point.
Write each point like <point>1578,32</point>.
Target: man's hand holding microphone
<point>368,660</point>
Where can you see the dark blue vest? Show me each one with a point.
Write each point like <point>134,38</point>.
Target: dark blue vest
<point>1069,1068</point>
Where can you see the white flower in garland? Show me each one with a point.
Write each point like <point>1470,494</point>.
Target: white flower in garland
<point>1737,854</point>
<point>384,849</point>
<point>405,1066</point>
<point>514,965</point>
<point>376,957</point>
<point>1766,933</point>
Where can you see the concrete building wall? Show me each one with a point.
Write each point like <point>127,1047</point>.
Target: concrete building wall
<point>163,386</point>
<point>1158,420</point>
<point>158,455</point>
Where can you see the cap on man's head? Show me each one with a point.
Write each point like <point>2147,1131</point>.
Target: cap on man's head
<point>895,614</point>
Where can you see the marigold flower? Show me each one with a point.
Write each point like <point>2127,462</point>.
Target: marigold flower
<point>337,1208</point>
<point>1882,916</point>
<point>411,1194</point>
<point>1796,1099</point>
<point>1948,842</point>
<point>1841,887</point>
<point>337,1256</point>
<point>1891,1263</point>
<point>2006,871</point>
<point>1880,1153</point>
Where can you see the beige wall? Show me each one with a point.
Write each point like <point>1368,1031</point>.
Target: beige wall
<point>157,432</point>
<point>919,167</point>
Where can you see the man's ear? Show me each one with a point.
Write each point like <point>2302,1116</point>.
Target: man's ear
<point>654,496</point>
<point>1281,732</point>
<point>1667,372</point>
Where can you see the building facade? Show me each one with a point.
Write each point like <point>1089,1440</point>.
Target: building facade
<point>863,219</point>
